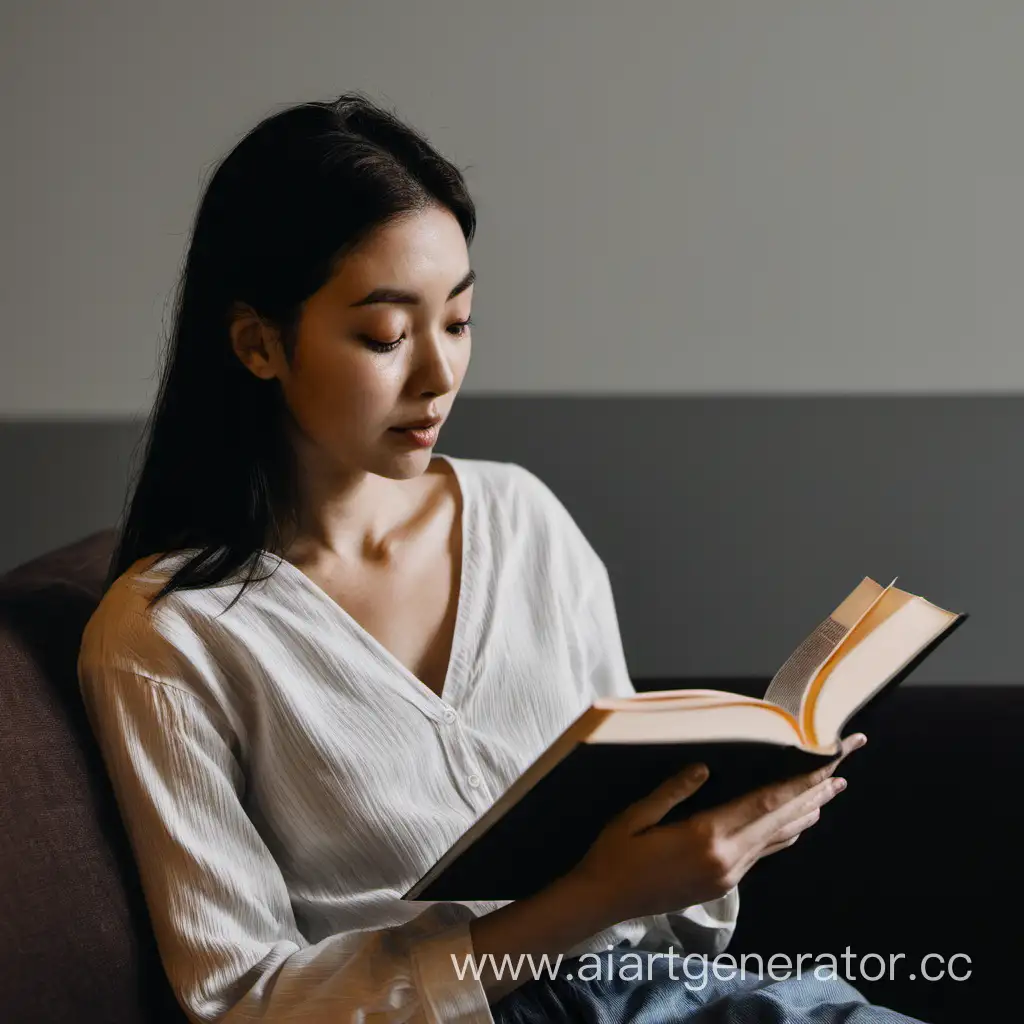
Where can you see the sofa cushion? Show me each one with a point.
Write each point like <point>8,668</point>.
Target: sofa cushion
<point>75,941</point>
<point>913,861</point>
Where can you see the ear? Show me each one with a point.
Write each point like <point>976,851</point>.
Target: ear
<point>255,342</point>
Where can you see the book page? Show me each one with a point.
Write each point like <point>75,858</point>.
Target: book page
<point>787,687</point>
<point>735,720</point>
<point>670,698</point>
<point>891,635</point>
<point>789,684</point>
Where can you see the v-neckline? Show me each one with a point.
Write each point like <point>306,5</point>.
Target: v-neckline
<point>451,687</point>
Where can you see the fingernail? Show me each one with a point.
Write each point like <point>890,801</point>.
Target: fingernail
<point>861,739</point>
<point>697,771</point>
<point>838,785</point>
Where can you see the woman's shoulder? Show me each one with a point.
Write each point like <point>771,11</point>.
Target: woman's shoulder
<point>174,646</point>
<point>500,479</point>
<point>125,603</point>
<point>130,594</point>
<point>128,630</point>
<point>521,503</point>
<point>513,489</point>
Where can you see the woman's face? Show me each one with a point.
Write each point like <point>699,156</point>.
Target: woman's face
<point>365,364</point>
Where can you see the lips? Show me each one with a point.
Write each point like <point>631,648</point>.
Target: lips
<point>420,424</point>
<point>418,437</point>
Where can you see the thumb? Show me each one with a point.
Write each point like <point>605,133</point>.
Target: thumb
<point>649,810</point>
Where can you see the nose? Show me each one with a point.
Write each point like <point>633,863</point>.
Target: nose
<point>433,373</point>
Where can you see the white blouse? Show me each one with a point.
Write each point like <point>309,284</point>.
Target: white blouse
<point>284,779</point>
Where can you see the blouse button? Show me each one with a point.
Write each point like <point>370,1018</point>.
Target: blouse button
<point>474,780</point>
<point>449,715</point>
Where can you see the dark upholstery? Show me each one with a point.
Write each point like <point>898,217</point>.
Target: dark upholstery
<point>75,944</point>
<point>919,855</point>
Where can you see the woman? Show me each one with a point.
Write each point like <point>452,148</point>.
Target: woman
<point>323,651</point>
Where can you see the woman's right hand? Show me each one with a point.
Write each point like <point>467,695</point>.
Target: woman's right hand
<point>639,868</point>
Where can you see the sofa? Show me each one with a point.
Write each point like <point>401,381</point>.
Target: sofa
<point>918,856</point>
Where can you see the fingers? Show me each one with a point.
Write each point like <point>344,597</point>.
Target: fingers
<point>767,800</point>
<point>791,832</point>
<point>852,743</point>
<point>781,826</point>
<point>652,808</point>
<point>762,803</point>
<point>846,748</point>
<point>766,805</point>
<point>761,830</point>
<point>775,847</point>
<point>762,845</point>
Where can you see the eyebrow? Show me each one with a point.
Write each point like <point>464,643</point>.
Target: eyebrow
<point>410,298</point>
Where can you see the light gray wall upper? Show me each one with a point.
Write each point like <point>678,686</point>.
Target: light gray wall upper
<point>706,196</point>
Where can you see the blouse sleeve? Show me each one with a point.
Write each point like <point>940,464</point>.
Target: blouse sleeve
<point>705,927</point>
<point>217,899</point>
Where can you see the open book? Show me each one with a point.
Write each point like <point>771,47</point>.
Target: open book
<point>619,750</point>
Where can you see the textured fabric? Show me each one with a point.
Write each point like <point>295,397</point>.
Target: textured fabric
<point>618,987</point>
<point>75,945</point>
<point>284,778</point>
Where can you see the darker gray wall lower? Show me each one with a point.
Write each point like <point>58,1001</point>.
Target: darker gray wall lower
<point>730,526</point>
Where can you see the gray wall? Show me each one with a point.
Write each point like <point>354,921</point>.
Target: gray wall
<point>730,527</point>
<point>706,196</point>
<point>749,292</point>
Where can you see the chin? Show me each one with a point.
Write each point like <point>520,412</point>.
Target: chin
<point>405,465</point>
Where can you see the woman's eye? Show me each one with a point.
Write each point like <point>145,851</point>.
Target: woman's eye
<point>389,346</point>
<point>380,346</point>
<point>464,325</point>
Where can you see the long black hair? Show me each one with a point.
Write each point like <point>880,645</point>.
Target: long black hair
<point>298,192</point>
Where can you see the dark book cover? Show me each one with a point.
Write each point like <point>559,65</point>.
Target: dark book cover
<point>551,827</point>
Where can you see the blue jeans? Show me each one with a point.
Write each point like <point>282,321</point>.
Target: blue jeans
<point>618,986</point>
